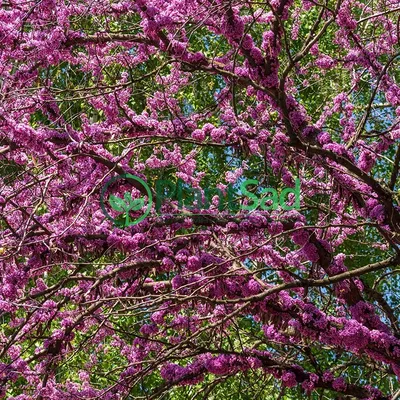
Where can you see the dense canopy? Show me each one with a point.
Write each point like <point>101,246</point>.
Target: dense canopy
<point>199,302</point>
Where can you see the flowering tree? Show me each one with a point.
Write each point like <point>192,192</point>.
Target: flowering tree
<point>191,303</point>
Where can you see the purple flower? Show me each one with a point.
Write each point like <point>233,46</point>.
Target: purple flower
<point>339,384</point>
<point>289,379</point>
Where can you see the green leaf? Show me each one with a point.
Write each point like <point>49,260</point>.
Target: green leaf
<point>118,204</point>
<point>136,204</point>
<point>128,197</point>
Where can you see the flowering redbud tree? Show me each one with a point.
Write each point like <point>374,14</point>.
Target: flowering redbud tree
<point>189,302</point>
